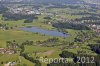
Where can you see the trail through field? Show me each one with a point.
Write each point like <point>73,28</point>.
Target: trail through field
<point>50,52</point>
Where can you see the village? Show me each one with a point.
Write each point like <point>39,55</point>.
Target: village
<point>24,11</point>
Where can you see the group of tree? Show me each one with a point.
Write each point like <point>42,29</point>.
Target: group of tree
<point>62,30</point>
<point>25,55</point>
<point>50,40</point>
<point>95,48</point>
<point>84,36</point>
<point>4,26</point>
<point>11,16</point>
<point>76,61</point>
<point>66,54</point>
<point>47,18</point>
<point>12,44</point>
<point>27,42</point>
<point>86,13</point>
<point>3,9</point>
<point>66,25</point>
<point>88,18</point>
<point>30,20</point>
<point>93,22</point>
<point>98,41</point>
<point>37,62</point>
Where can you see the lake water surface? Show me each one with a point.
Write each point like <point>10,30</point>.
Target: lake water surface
<point>46,32</point>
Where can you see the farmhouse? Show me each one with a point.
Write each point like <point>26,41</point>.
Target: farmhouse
<point>6,51</point>
<point>10,64</point>
<point>96,28</point>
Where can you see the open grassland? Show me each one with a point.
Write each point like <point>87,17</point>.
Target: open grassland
<point>8,58</point>
<point>23,61</point>
<point>20,23</point>
<point>15,57</point>
<point>19,36</point>
<point>35,51</point>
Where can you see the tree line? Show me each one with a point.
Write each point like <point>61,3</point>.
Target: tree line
<point>70,26</point>
<point>11,16</point>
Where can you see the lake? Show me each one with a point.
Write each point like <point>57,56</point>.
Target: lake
<point>46,32</point>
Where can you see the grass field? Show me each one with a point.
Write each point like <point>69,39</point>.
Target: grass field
<point>15,57</point>
<point>42,51</point>
<point>19,36</point>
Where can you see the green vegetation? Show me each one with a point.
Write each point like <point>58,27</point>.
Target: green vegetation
<point>30,46</point>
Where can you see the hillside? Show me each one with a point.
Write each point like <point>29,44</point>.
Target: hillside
<point>55,1</point>
<point>92,1</point>
<point>58,1</point>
